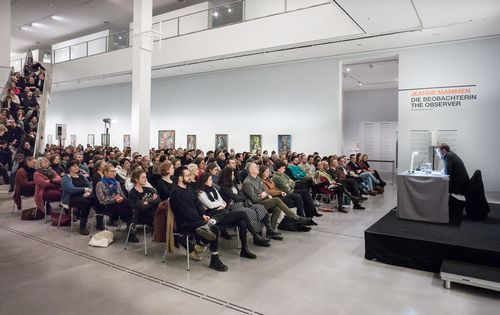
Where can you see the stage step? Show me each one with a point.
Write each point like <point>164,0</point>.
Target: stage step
<point>470,274</point>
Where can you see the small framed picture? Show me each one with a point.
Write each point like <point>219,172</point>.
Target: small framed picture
<point>73,140</point>
<point>255,143</point>
<point>284,144</point>
<point>191,142</point>
<point>166,139</point>
<point>221,142</point>
<point>126,141</point>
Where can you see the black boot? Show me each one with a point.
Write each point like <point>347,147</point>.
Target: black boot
<point>247,254</point>
<point>260,241</point>
<point>99,223</point>
<point>216,264</point>
<point>270,233</point>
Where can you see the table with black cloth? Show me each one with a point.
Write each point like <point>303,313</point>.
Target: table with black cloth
<point>423,197</point>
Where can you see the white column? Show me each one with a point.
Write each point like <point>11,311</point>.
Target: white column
<point>5,34</point>
<point>141,76</point>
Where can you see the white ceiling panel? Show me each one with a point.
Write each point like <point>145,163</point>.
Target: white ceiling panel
<point>445,12</point>
<point>381,16</point>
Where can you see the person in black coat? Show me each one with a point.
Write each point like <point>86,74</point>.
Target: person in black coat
<point>455,168</point>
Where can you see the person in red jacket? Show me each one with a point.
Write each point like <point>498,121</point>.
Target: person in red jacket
<point>47,184</point>
<point>24,184</point>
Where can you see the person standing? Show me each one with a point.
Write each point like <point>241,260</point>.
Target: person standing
<point>455,168</point>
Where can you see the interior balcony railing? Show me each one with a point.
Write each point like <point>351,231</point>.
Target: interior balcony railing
<point>223,15</point>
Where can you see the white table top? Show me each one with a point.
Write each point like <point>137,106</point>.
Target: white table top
<point>435,174</point>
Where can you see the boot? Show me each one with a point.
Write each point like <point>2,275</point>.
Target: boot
<point>247,254</point>
<point>357,206</point>
<point>216,264</point>
<point>99,223</point>
<point>260,241</point>
<point>303,220</point>
<point>342,209</point>
<point>270,233</point>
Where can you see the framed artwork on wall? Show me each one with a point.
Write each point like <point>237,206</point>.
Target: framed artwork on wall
<point>191,142</point>
<point>284,143</point>
<point>166,139</point>
<point>126,141</point>
<point>73,140</point>
<point>221,142</point>
<point>255,143</point>
<point>91,139</point>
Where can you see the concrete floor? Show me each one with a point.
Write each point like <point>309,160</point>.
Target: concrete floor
<point>45,270</point>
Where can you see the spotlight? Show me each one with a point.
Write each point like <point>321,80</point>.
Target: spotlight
<point>229,10</point>
<point>215,14</point>
<point>348,69</point>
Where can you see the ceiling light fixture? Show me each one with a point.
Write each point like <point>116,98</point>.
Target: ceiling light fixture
<point>36,24</point>
<point>25,27</point>
<point>57,17</point>
<point>348,69</point>
<point>216,14</point>
<point>229,10</point>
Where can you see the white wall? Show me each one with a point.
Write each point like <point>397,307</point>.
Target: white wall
<point>298,99</point>
<point>366,106</point>
<point>472,62</point>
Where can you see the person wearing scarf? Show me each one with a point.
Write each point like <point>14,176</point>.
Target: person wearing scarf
<point>216,208</point>
<point>47,184</point>
<point>112,200</point>
<point>23,183</point>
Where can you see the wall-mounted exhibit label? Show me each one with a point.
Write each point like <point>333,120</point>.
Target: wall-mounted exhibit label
<point>440,97</point>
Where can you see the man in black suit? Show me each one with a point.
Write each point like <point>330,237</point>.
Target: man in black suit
<point>453,166</point>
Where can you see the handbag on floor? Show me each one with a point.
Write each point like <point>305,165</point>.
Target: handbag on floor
<point>65,219</point>
<point>32,214</point>
<point>289,225</point>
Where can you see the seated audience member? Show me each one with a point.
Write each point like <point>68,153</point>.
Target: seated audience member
<point>201,165</point>
<point>24,182</point>
<point>305,166</point>
<point>47,185</point>
<point>331,187</point>
<point>5,161</point>
<point>290,199</point>
<point>287,185</point>
<point>129,184</point>
<point>340,174</point>
<point>213,169</point>
<point>362,161</point>
<point>143,200</point>
<point>112,199</point>
<point>216,208</point>
<point>77,193</point>
<point>10,105</point>
<point>195,175</point>
<point>256,213</point>
<point>189,217</point>
<point>255,193</point>
<point>155,174</point>
<point>55,164</point>
<point>369,180</point>
<point>165,185</point>
<point>13,96</point>
<point>29,102</point>
<point>25,149</point>
<point>123,171</point>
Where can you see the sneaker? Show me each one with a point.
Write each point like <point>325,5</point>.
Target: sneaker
<point>84,231</point>
<point>205,232</point>
<point>132,238</point>
<point>247,254</point>
<point>195,256</point>
<point>216,264</point>
<point>199,248</point>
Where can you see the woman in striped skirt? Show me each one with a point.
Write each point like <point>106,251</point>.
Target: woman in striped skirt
<point>257,214</point>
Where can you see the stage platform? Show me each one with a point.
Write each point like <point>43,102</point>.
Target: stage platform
<point>424,246</point>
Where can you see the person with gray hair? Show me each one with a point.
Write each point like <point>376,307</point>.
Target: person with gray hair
<point>255,193</point>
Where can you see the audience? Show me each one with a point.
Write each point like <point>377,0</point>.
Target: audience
<point>143,200</point>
